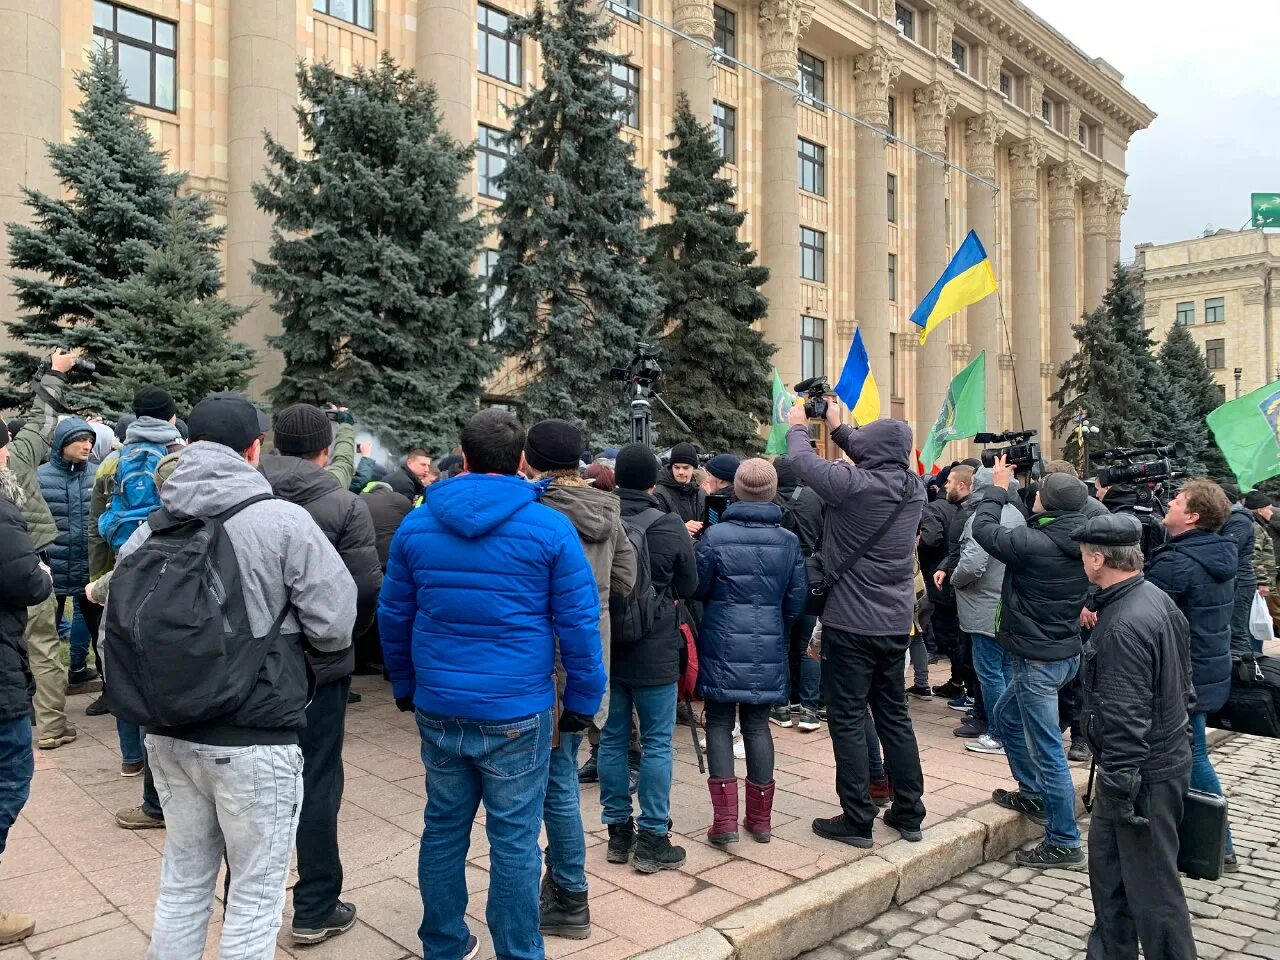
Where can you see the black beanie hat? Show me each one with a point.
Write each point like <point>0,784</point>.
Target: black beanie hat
<point>1256,500</point>
<point>553,445</point>
<point>636,468</point>
<point>4,435</point>
<point>684,453</point>
<point>153,401</point>
<point>301,429</point>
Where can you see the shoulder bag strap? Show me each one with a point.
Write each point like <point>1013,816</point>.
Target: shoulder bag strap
<point>867,545</point>
<point>1088,791</point>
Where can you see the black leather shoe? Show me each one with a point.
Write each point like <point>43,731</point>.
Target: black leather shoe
<point>839,828</point>
<point>96,708</point>
<point>564,913</point>
<point>339,922</point>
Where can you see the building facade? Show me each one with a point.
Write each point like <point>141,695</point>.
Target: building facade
<point>854,226</point>
<point>1222,288</point>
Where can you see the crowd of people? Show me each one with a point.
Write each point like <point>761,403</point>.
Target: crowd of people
<point>522,594</point>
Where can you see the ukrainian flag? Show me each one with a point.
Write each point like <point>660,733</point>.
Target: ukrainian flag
<point>967,279</point>
<point>857,386</point>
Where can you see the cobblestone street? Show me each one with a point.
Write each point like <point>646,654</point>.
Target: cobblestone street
<point>1001,911</point>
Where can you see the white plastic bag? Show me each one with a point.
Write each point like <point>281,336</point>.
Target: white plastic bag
<point>1260,620</point>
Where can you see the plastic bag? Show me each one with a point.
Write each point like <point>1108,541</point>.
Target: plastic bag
<point>1260,620</point>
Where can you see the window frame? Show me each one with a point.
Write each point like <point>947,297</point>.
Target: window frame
<point>1178,313</point>
<point>813,248</point>
<point>815,69</point>
<point>892,268</point>
<point>724,120</point>
<point>813,346</point>
<point>891,196</point>
<point>912,19</point>
<point>816,161</point>
<point>113,37</point>
<point>627,87</point>
<point>486,266</point>
<point>1219,307</point>
<point>725,28</point>
<point>485,30</point>
<point>322,7</point>
<point>893,115</point>
<point>961,62</point>
<point>627,9</point>
<point>1217,346</point>
<point>487,147</point>
<point>1005,85</point>
<point>1047,109</point>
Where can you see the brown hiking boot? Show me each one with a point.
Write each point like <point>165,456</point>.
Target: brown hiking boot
<point>135,818</point>
<point>15,927</point>
<point>68,735</point>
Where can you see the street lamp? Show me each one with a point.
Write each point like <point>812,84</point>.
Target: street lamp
<point>1238,372</point>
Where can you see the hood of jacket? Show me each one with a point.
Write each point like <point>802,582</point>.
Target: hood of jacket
<point>65,429</point>
<point>209,479</point>
<point>1212,551</point>
<point>594,513</point>
<point>151,430</point>
<point>296,480</point>
<point>882,443</point>
<point>984,483</point>
<point>787,479</point>
<point>751,512</point>
<point>1059,527</point>
<point>472,504</point>
<point>104,441</point>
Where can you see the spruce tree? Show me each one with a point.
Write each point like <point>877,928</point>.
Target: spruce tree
<point>717,373</point>
<point>118,201</point>
<point>572,248</point>
<point>1184,365</point>
<point>1095,384</point>
<point>372,261</point>
<point>1157,411</point>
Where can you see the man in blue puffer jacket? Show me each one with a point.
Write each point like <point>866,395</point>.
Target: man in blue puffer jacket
<point>66,482</point>
<point>481,583</point>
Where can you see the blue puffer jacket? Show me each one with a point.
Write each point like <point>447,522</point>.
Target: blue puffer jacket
<point>67,488</point>
<point>752,581</point>
<point>481,581</point>
<point>1197,569</point>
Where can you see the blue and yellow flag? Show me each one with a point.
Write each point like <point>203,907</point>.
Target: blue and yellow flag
<point>857,385</point>
<point>967,279</point>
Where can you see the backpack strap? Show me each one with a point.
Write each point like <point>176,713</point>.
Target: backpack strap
<point>230,512</point>
<point>869,544</point>
<point>646,518</point>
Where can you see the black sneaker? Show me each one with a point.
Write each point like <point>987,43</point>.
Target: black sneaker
<point>839,828</point>
<point>472,949</point>
<point>564,913</point>
<point>655,852</point>
<point>1044,856</point>
<point>910,834</point>
<point>1079,751</point>
<point>949,690</point>
<point>780,716</point>
<point>921,691</point>
<point>970,729</point>
<point>1029,807</point>
<point>589,772</point>
<point>339,922</point>
<point>96,708</point>
<point>353,697</point>
<point>622,839</point>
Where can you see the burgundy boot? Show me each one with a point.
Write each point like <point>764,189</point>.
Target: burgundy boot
<point>724,805</point>
<point>759,809</point>
<point>881,791</point>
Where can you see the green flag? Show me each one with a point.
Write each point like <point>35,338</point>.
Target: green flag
<point>783,401</point>
<point>963,413</point>
<point>1248,434</point>
<point>1266,209</point>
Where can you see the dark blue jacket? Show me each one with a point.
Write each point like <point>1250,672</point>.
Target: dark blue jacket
<point>67,488</point>
<point>1197,569</point>
<point>752,581</point>
<point>481,580</point>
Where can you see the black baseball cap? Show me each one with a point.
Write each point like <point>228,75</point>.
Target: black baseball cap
<point>229,419</point>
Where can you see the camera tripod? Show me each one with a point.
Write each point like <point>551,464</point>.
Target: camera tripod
<point>642,413</point>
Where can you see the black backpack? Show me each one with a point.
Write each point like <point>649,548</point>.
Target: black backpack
<point>179,648</point>
<point>632,617</point>
<point>1254,704</point>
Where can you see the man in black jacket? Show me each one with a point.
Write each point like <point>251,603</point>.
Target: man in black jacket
<point>302,437</point>
<point>1039,625</point>
<point>1137,694</point>
<point>411,478</point>
<point>678,491</point>
<point>941,525</point>
<point>1240,529</point>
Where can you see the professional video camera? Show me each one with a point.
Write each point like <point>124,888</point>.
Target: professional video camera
<point>81,366</point>
<point>1146,462</point>
<point>643,372</point>
<point>815,390</point>
<point>1022,452</point>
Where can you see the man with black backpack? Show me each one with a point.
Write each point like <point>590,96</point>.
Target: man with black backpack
<point>212,601</point>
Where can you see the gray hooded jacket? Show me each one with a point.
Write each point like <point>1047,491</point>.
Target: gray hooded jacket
<point>979,576</point>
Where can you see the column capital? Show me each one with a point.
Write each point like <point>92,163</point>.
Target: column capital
<point>909,342</point>
<point>1046,369</point>
<point>695,18</point>
<point>873,74</point>
<point>1252,296</point>
<point>1025,159</point>
<point>1006,361</point>
<point>961,352</point>
<point>782,24</point>
<point>1097,198</point>
<point>981,133</point>
<point>1115,211</point>
<point>934,105</point>
<point>1063,178</point>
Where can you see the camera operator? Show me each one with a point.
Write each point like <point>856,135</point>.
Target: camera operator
<point>1141,502</point>
<point>1240,529</point>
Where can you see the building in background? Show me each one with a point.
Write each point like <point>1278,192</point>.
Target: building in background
<point>854,226</point>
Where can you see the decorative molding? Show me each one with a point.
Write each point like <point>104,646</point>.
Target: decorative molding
<point>1253,296</point>
<point>873,74</point>
<point>909,342</point>
<point>1035,87</point>
<point>1073,122</point>
<point>1097,198</point>
<point>1212,269</point>
<point>946,32</point>
<point>981,134</point>
<point>1046,370</point>
<point>1025,159</point>
<point>888,10</point>
<point>1063,178</point>
<point>1006,360</point>
<point>934,105</point>
<point>695,18</point>
<point>782,24</point>
<point>213,189</point>
<point>1115,211</point>
<point>1151,308</point>
<point>961,352</point>
<point>995,64</point>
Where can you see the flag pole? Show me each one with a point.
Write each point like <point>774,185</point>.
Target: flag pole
<point>1008,339</point>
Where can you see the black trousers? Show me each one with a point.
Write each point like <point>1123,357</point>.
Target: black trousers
<point>1070,703</point>
<point>858,671</point>
<point>946,634</point>
<point>1133,877</point>
<point>315,895</point>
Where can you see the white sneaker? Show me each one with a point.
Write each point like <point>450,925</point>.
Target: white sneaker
<point>985,744</point>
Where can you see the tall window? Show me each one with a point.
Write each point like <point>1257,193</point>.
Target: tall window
<point>626,84</point>
<point>812,172</point>
<point>812,347</point>
<point>891,197</point>
<point>358,12</point>
<point>1215,354</point>
<point>497,53</point>
<point>725,120</point>
<point>1222,393</point>
<point>492,292</point>
<point>145,50</point>
<point>893,116</point>
<point>491,160</point>
<point>813,255</point>
<point>1215,310</point>
<point>893,278</point>
<point>894,383</point>
<point>906,18</point>
<point>626,8</point>
<point>1006,85</point>
<point>812,79</point>
<point>960,55</point>
<point>1186,313</point>
<point>1046,110</point>
<point>726,32</point>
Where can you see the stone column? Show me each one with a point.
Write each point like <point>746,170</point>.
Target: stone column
<point>1028,340</point>
<point>933,105</point>
<point>873,73</point>
<point>1063,309</point>
<point>30,75</point>
<point>262,93</point>
<point>781,24</point>
<point>445,55</point>
<point>982,321</point>
<point>1115,211</point>
<point>694,67</point>
<point>1097,269</point>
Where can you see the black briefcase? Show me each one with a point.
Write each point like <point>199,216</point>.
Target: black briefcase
<point>1202,835</point>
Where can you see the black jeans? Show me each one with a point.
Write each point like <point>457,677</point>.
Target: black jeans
<point>858,671</point>
<point>946,634</point>
<point>756,738</point>
<point>315,895</point>
<point>1070,702</point>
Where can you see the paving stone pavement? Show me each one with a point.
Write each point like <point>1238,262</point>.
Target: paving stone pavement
<point>1001,912</point>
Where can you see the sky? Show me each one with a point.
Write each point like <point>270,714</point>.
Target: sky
<point>1211,73</point>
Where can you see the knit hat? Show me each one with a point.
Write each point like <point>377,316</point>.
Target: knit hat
<point>1232,491</point>
<point>1256,500</point>
<point>684,453</point>
<point>723,466</point>
<point>4,435</point>
<point>786,472</point>
<point>755,481</point>
<point>153,401</point>
<point>302,429</point>
<point>123,424</point>
<point>1060,492</point>
<point>14,426</point>
<point>553,445</point>
<point>636,468</point>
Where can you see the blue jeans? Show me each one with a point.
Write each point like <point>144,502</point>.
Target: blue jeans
<point>656,708</point>
<point>562,815</point>
<point>17,765</point>
<point>809,672</point>
<point>994,668</point>
<point>504,763</point>
<point>1027,718</point>
<point>1203,776</point>
<point>79,632</point>
<point>130,737</point>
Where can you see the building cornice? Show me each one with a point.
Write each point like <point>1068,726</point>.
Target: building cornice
<point>1180,273</point>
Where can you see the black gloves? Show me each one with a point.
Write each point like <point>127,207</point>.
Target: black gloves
<point>1126,814</point>
<point>405,704</point>
<point>571,722</point>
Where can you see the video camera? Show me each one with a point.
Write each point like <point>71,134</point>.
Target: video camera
<point>815,391</point>
<point>644,370</point>
<point>1146,462</point>
<point>81,366</point>
<point>1022,452</point>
